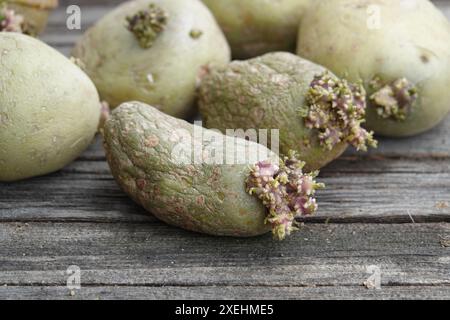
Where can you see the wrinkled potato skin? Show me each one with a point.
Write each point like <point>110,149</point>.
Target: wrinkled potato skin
<point>49,109</point>
<point>256,27</point>
<point>120,67</point>
<point>266,93</point>
<point>413,42</point>
<point>35,12</point>
<point>211,198</point>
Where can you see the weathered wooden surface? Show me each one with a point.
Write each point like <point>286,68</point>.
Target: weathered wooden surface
<point>149,257</point>
<point>389,209</point>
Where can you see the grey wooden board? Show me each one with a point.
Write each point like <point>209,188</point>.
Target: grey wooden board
<point>227,293</point>
<point>388,208</point>
<point>155,256</point>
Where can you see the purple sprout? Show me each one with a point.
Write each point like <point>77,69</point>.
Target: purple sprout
<point>337,108</point>
<point>394,100</point>
<point>10,21</point>
<point>286,191</point>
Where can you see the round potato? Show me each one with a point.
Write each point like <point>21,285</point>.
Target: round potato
<point>256,27</point>
<point>400,49</point>
<point>49,108</point>
<point>153,51</point>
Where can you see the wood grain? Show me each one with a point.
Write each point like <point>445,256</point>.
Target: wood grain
<point>224,293</point>
<point>158,256</point>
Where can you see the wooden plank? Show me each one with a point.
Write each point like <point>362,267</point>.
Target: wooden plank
<point>159,255</point>
<point>368,189</point>
<point>225,293</point>
<point>145,261</point>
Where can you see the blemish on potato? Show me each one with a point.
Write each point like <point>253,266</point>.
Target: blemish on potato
<point>195,33</point>
<point>152,141</point>
<point>201,200</point>
<point>141,183</point>
<point>424,58</point>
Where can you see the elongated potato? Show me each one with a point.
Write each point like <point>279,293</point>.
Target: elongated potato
<point>203,181</point>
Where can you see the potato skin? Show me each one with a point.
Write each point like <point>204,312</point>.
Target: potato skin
<point>256,27</point>
<point>208,198</point>
<point>121,69</point>
<point>266,93</point>
<point>413,42</point>
<point>49,109</point>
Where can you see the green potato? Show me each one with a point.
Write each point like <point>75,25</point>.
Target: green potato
<point>152,51</point>
<point>399,49</point>
<point>203,181</point>
<point>49,109</point>
<point>31,16</point>
<point>256,27</point>
<point>317,114</point>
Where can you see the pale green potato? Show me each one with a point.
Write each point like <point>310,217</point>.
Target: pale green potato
<point>255,27</point>
<point>183,175</point>
<point>164,75</point>
<point>410,40</point>
<point>49,109</point>
<point>275,91</point>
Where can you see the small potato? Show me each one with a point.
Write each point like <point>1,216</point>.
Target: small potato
<point>153,51</point>
<point>400,49</point>
<point>256,27</point>
<point>49,109</point>
<point>33,14</point>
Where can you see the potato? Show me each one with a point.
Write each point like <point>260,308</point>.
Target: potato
<point>152,51</point>
<point>34,13</point>
<point>317,114</point>
<point>183,175</point>
<point>256,27</point>
<point>400,49</point>
<point>49,109</point>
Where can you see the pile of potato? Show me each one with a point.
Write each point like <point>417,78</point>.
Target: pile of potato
<point>362,68</point>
